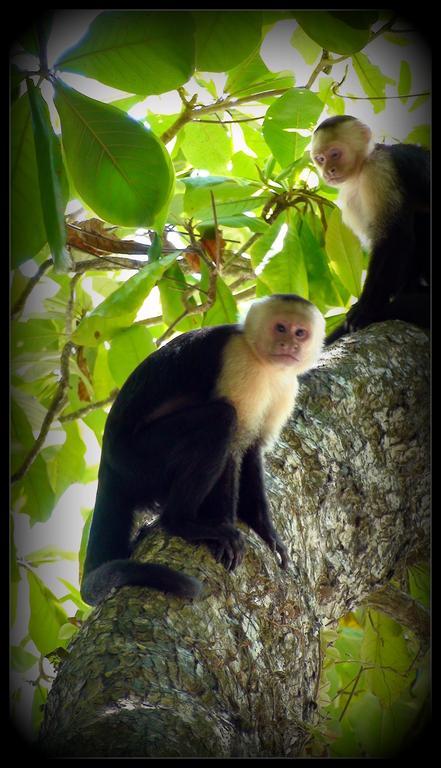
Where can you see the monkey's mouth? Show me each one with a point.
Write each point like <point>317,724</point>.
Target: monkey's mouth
<point>334,179</point>
<point>286,357</point>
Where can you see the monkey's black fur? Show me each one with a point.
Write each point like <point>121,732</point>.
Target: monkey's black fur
<point>180,459</point>
<point>397,285</point>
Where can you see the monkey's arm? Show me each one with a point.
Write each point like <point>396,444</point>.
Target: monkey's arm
<point>253,507</point>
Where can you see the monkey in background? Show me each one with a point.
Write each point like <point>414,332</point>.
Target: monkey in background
<point>385,196</point>
<point>187,432</point>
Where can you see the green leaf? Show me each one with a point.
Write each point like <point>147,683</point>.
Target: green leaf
<point>231,198</point>
<point>252,75</point>
<point>419,583</point>
<point>129,348</point>
<point>254,139</point>
<point>260,248</point>
<point>335,104</point>
<point>224,309</point>
<point>143,52</point>
<point>244,166</point>
<point>322,290</point>
<point>339,32</point>
<point>74,595</point>
<point>47,616</point>
<point>405,81</point>
<point>371,80</point>
<point>68,465</point>
<point>309,50</point>
<point>344,253</point>
<point>28,234</point>
<point>172,287</point>
<point>22,660</point>
<point>285,272</point>
<point>385,647</point>
<point>297,109</point>
<point>38,702</point>
<point>54,188</point>
<point>207,146</point>
<point>119,168</point>
<point>225,39</point>
<point>37,498</point>
<point>84,541</point>
<point>49,554</point>
<point>419,135</point>
<point>238,221</point>
<point>120,308</point>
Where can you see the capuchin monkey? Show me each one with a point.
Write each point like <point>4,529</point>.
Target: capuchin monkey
<point>186,434</point>
<point>385,196</point>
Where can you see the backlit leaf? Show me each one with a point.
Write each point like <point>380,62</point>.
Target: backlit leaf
<point>54,188</point>
<point>143,52</point>
<point>225,39</point>
<point>119,167</point>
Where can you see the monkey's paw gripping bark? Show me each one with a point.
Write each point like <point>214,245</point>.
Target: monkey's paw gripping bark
<point>229,548</point>
<point>277,545</point>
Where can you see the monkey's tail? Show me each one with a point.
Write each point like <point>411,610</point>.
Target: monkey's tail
<point>121,573</point>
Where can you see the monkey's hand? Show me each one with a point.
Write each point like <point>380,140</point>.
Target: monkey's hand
<point>268,533</point>
<point>228,548</point>
<point>277,545</point>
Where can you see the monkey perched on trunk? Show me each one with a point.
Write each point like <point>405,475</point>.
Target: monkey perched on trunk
<point>385,196</point>
<point>187,432</point>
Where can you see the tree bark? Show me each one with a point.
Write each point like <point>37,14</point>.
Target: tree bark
<point>237,672</point>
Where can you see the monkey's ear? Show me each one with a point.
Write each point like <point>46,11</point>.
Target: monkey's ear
<point>366,131</point>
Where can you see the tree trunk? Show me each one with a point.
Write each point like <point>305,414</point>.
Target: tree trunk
<point>237,672</point>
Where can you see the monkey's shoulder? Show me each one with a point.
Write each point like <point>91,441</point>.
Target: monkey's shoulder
<point>407,167</point>
<point>188,364</point>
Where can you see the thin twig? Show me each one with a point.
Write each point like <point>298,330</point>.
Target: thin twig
<point>89,408</point>
<point>32,282</point>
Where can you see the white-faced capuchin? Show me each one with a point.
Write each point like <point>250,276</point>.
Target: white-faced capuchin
<point>186,434</point>
<point>385,196</point>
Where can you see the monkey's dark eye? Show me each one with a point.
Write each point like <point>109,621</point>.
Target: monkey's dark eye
<point>335,154</point>
<point>281,328</point>
<point>301,333</point>
<point>320,159</point>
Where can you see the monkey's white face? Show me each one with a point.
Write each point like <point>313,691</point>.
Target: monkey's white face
<point>336,162</point>
<point>286,337</point>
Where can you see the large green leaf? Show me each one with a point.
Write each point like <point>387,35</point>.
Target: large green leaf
<point>47,616</point>
<point>338,31</point>
<point>67,465</point>
<point>371,80</point>
<point>28,234</point>
<point>225,38</point>
<point>388,656</point>
<point>143,52</point>
<point>285,272</point>
<point>252,75</point>
<point>297,109</point>
<point>322,290</point>
<point>54,188</point>
<point>224,309</point>
<point>120,308</point>
<point>129,348</point>
<point>119,168</point>
<point>344,253</point>
<point>207,146</point>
